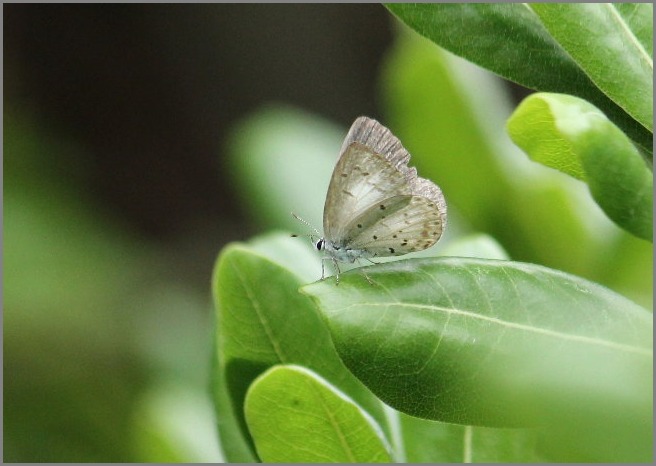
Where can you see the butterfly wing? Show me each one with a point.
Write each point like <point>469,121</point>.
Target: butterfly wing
<point>361,179</point>
<point>373,169</point>
<point>408,223</point>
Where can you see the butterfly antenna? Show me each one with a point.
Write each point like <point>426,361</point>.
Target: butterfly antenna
<point>306,224</point>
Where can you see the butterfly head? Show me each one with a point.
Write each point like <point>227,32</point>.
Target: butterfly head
<point>320,244</point>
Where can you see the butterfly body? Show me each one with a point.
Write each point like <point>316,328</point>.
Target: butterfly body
<point>342,252</point>
<point>377,206</point>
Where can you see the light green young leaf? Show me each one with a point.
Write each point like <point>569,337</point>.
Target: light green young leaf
<point>571,135</point>
<point>295,416</point>
<point>599,39</point>
<point>493,343</point>
<point>509,40</point>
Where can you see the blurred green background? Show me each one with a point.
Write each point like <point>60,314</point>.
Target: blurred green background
<point>140,139</point>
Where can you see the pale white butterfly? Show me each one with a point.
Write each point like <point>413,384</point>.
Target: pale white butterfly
<point>376,205</point>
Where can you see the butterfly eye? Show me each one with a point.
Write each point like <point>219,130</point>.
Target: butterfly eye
<point>320,244</point>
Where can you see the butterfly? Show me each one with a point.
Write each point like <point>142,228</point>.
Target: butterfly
<point>377,206</point>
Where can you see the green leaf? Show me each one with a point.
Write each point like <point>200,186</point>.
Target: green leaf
<point>295,416</point>
<point>509,40</point>
<point>262,321</point>
<point>570,135</point>
<point>599,39</point>
<point>493,343</point>
<point>439,442</point>
<point>451,116</point>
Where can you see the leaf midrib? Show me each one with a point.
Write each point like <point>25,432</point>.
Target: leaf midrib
<point>346,447</point>
<point>515,325</point>
<point>261,315</point>
<point>629,34</point>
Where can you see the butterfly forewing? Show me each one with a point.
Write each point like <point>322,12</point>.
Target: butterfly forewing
<point>361,179</point>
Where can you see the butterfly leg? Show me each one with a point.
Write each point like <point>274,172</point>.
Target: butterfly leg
<point>337,271</point>
<point>335,265</point>
<point>323,271</point>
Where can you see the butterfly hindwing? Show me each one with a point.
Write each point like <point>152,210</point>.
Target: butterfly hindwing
<point>406,224</point>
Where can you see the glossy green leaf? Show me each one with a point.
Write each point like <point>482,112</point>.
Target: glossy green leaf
<point>262,320</point>
<point>493,343</point>
<point>570,135</point>
<point>509,40</point>
<point>602,43</point>
<point>295,416</point>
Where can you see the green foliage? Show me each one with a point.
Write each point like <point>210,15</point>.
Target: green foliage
<point>602,43</point>
<point>483,344</point>
<point>263,322</point>
<point>451,116</point>
<point>477,342</point>
<point>287,402</point>
<point>570,135</point>
<point>469,357</point>
<point>510,39</point>
<point>455,339</point>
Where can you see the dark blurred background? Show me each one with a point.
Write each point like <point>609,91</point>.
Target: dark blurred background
<point>152,90</point>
